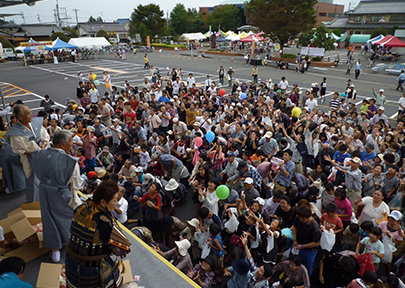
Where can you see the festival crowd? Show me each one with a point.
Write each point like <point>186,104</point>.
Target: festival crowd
<point>284,194</point>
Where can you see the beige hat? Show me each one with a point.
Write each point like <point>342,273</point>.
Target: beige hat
<point>73,130</point>
<point>183,246</point>
<point>268,134</point>
<point>197,124</point>
<point>106,149</point>
<point>195,223</point>
<point>101,173</point>
<point>356,160</point>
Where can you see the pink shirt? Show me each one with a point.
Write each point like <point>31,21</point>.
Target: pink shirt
<point>395,235</point>
<point>89,147</point>
<point>343,207</point>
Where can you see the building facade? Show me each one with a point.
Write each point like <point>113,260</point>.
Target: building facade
<point>372,14</point>
<point>326,12</point>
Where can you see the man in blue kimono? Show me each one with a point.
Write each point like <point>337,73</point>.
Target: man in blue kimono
<point>20,140</point>
<point>59,177</point>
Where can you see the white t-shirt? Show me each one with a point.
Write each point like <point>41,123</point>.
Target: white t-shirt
<point>283,84</point>
<point>123,206</point>
<point>402,102</point>
<point>371,213</point>
<point>311,104</point>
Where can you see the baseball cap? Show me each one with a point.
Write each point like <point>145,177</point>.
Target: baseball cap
<point>381,108</point>
<point>248,180</point>
<point>382,90</point>
<point>138,169</point>
<point>175,120</point>
<point>369,145</point>
<point>396,215</point>
<point>260,200</point>
<point>91,174</point>
<point>231,154</point>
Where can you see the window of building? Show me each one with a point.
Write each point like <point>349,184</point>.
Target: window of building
<point>357,32</point>
<point>322,14</point>
<point>377,18</point>
<point>204,13</point>
<point>397,18</point>
<point>357,18</point>
<point>351,32</point>
<point>331,14</point>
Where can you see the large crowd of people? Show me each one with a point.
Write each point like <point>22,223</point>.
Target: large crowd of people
<point>312,198</point>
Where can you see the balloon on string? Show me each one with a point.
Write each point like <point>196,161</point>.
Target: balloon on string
<point>96,82</point>
<point>222,92</point>
<point>343,94</point>
<point>198,142</point>
<point>210,136</point>
<point>243,96</point>
<point>94,76</point>
<point>222,192</point>
<point>107,85</point>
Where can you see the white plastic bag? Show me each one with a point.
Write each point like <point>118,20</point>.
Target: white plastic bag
<point>328,239</point>
<point>205,250</point>
<point>201,238</point>
<point>389,248</point>
<point>396,201</point>
<point>232,224</point>
<point>332,175</point>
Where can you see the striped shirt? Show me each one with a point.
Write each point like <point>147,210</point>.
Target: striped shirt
<point>334,104</point>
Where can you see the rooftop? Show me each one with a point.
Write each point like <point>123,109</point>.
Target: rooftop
<point>32,30</point>
<point>379,7</point>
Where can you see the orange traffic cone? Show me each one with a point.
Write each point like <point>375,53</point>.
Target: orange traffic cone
<point>219,57</point>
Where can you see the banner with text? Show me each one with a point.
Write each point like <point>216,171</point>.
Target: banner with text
<point>311,51</point>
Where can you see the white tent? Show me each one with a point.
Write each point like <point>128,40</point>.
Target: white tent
<point>193,36</point>
<point>233,37</point>
<point>89,42</point>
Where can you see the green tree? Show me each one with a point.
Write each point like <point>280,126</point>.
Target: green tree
<point>179,19</point>
<point>378,31</point>
<point>195,22</point>
<point>306,38</point>
<point>323,38</point>
<point>281,19</point>
<point>6,43</point>
<point>337,32</point>
<point>147,20</point>
<point>225,16</point>
<point>73,33</point>
<point>95,20</point>
<point>102,33</point>
<point>62,36</point>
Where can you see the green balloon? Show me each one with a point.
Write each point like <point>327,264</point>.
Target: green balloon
<point>222,192</point>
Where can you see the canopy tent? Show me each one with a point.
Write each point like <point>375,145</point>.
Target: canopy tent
<point>332,35</point>
<point>89,42</point>
<point>360,38</point>
<point>27,48</point>
<point>59,44</point>
<point>230,33</point>
<point>208,34</point>
<point>390,41</point>
<point>233,37</point>
<point>222,39</point>
<point>243,35</point>
<point>254,37</point>
<point>375,39</point>
<point>193,36</point>
<point>220,33</point>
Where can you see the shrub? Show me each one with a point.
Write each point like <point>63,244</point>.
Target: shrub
<point>289,56</point>
<point>6,43</point>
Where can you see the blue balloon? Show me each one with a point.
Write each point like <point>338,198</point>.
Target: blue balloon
<point>343,94</point>
<point>210,136</point>
<point>243,96</point>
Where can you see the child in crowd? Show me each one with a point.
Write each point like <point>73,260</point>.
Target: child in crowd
<point>350,237</point>
<point>82,158</point>
<point>372,245</point>
<point>215,242</point>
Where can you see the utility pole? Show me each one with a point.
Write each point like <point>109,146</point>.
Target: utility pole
<point>57,13</point>
<point>77,18</point>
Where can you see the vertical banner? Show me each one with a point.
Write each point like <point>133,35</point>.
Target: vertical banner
<point>252,51</point>
<point>188,41</point>
<point>148,41</point>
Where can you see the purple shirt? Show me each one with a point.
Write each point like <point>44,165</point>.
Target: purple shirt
<point>372,109</point>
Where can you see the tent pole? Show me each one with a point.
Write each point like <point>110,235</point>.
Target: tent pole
<point>25,60</point>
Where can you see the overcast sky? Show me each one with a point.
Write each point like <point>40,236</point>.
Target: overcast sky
<point>109,10</point>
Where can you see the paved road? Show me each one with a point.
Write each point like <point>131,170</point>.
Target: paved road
<point>60,80</point>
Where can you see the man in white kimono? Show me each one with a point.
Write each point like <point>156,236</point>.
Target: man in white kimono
<point>59,176</point>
